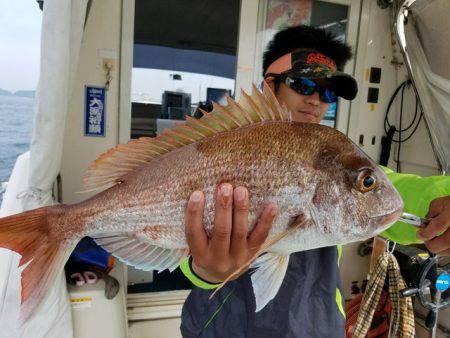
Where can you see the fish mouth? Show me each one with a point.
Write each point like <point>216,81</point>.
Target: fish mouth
<point>387,219</point>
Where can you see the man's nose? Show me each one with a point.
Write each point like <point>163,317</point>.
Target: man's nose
<point>313,99</point>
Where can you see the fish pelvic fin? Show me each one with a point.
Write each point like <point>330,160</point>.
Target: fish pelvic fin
<point>268,277</point>
<point>110,168</point>
<point>297,223</point>
<point>42,259</point>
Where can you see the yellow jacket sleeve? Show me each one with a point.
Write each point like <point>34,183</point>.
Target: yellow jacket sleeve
<point>417,193</point>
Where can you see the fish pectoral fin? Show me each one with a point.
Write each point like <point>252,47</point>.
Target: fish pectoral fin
<point>140,253</point>
<point>268,276</point>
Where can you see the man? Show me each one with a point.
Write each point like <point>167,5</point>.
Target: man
<point>300,66</point>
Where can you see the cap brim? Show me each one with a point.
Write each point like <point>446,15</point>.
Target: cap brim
<point>343,85</point>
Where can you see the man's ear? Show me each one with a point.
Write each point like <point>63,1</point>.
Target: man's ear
<point>269,83</point>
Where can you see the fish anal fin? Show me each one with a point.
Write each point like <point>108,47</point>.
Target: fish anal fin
<point>141,249</point>
<point>268,277</point>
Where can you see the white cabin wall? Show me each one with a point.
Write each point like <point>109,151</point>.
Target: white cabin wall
<point>101,40</point>
<point>374,49</point>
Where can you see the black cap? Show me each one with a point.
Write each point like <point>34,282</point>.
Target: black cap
<point>312,64</point>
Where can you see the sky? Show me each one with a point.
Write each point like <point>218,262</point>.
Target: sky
<point>20,33</point>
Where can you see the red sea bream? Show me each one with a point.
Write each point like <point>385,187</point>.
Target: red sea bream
<point>308,170</point>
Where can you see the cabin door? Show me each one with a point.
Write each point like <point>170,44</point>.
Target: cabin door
<point>180,56</point>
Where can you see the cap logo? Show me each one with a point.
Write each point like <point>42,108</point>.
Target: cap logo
<point>321,59</point>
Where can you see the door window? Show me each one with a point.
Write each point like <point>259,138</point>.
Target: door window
<point>281,14</point>
<point>184,56</point>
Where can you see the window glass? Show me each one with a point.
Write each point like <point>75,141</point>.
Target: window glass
<point>182,59</point>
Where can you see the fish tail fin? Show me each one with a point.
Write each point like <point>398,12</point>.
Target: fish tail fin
<point>29,234</point>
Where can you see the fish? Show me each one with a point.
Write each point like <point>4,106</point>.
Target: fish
<point>312,172</point>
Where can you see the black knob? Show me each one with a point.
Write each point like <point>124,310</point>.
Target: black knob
<point>430,321</point>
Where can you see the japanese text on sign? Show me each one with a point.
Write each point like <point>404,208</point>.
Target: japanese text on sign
<point>95,111</point>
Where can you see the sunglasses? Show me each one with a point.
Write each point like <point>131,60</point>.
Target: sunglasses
<point>307,87</point>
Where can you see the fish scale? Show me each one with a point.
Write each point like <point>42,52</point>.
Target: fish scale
<point>237,168</point>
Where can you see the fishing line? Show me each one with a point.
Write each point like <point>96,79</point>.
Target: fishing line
<point>216,312</point>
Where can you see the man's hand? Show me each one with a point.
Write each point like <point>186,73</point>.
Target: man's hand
<point>230,246</point>
<point>436,234</point>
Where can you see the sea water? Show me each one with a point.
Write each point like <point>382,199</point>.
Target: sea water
<point>16,121</point>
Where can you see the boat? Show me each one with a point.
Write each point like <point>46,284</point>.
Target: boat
<point>149,64</point>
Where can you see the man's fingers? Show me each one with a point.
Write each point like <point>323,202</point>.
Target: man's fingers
<point>436,227</point>
<point>439,244</point>
<point>195,233</point>
<point>434,209</point>
<point>238,246</point>
<point>262,228</point>
<point>220,239</point>
<point>438,205</point>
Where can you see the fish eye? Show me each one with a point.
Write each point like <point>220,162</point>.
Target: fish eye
<point>366,181</point>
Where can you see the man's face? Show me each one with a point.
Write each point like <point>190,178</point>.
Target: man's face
<point>304,108</point>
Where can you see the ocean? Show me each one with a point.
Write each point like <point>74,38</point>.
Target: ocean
<point>16,122</point>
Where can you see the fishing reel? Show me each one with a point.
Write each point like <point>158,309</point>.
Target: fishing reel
<point>428,278</point>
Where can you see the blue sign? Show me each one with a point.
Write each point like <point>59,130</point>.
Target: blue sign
<point>94,124</point>
<point>443,282</point>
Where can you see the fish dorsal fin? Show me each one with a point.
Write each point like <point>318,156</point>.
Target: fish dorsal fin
<point>109,169</point>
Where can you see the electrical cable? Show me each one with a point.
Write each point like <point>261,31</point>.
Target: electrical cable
<point>392,130</point>
<point>386,142</point>
<point>400,129</point>
<point>391,101</point>
<point>387,125</point>
<point>415,128</point>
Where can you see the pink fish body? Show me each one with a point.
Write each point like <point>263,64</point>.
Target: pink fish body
<point>309,171</point>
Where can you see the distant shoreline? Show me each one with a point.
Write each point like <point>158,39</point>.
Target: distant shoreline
<point>19,93</point>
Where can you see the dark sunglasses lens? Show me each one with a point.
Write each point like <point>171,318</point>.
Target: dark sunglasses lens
<point>328,96</point>
<point>303,86</point>
<point>308,87</point>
